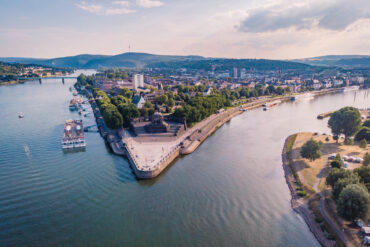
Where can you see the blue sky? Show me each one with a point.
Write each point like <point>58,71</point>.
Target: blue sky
<point>276,29</point>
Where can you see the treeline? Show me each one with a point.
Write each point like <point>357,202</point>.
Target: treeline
<point>350,191</point>
<point>118,111</point>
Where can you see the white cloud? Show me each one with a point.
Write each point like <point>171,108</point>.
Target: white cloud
<point>331,15</point>
<point>149,3</point>
<point>102,10</point>
<point>122,3</point>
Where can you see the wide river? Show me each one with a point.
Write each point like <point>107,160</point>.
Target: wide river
<point>230,192</point>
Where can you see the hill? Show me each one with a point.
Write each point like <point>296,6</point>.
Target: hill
<point>348,61</point>
<point>142,60</point>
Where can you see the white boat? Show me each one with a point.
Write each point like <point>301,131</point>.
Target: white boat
<point>73,135</point>
<point>349,89</point>
<point>20,115</point>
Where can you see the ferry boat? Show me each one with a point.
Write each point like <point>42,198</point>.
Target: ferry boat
<point>73,135</point>
<point>302,96</point>
<point>349,89</point>
<point>75,104</point>
<point>268,105</point>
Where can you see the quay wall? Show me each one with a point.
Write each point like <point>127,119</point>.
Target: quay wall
<point>143,173</point>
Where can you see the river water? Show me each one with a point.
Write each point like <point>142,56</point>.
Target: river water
<point>230,192</point>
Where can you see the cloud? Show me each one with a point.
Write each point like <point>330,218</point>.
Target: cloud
<point>122,3</point>
<point>331,15</point>
<point>149,3</point>
<point>102,10</point>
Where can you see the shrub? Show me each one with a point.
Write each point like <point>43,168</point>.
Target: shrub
<point>366,159</point>
<point>364,133</point>
<point>302,193</point>
<point>363,143</point>
<point>327,139</point>
<point>336,164</point>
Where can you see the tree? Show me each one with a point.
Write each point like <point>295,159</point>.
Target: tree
<point>364,173</point>
<point>353,202</point>
<point>363,143</point>
<point>366,123</point>
<point>171,103</point>
<point>366,161</point>
<point>311,150</point>
<point>128,112</point>
<point>343,183</point>
<point>335,174</point>
<point>346,121</point>
<point>337,162</point>
<point>364,133</point>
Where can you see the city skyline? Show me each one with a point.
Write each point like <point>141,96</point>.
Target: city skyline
<point>234,29</point>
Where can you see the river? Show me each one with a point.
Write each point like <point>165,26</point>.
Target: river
<point>230,192</point>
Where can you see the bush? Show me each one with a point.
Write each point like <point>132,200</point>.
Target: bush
<point>349,141</point>
<point>327,139</point>
<point>302,193</point>
<point>363,143</point>
<point>366,159</point>
<point>364,133</point>
<point>336,164</point>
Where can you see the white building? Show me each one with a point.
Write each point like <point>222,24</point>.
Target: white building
<point>138,81</point>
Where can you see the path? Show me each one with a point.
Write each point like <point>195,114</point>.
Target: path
<point>320,175</point>
<point>332,224</point>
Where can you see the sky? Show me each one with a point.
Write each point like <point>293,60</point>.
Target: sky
<point>272,29</point>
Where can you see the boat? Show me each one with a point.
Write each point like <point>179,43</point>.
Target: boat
<point>20,115</point>
<point>302,96</point>
<point>265,108</point>
<point>73,135</point>
<point>75,93</point>
<point>75,104</point>
<point>349,89</point>
<point>70,89</point>
<point>268,105</point>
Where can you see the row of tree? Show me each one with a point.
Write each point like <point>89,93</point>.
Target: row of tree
<point>350,191</point>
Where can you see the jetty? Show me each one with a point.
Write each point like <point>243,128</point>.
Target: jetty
<point>324,115</point>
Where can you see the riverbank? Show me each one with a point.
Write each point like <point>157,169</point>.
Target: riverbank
<point>310,196</point>
<point>150,156</point>
<point>298,203</point>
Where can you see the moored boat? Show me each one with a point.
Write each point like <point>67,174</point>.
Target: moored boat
<point>73,136</point>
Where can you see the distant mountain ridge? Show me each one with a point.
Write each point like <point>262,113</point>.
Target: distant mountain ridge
<point>86,61</point>
<point>351,61</point>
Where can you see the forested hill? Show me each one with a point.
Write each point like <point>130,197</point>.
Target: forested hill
<point>229,64</point>
<point>145,60</point>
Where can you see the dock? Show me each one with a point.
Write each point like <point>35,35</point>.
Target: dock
<point>324,115</point>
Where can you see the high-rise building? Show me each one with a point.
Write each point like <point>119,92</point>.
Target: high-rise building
<point>235,73</point>
<point>138,81</point>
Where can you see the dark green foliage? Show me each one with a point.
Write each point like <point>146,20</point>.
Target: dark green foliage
<point>353,202</point>
<point>127,93</point>
<point>343,183</point>
<point>366,123</point>
<point>364,173</point>
<point>335,174</point>
<point>336,164</point>
<point>364,133</point>
<point>363,143</point>
<point>311,150</point>
<point>346,121</point>
<point>128,112</point>
<point>366,159</point>
<point>119,99</point>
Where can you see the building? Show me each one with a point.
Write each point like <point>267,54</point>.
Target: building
<point>138,81</point>
<point>138,101</point>
<point>235,73</point>
<point>207,91</point>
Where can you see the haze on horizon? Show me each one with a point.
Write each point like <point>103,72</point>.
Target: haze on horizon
<point>274,29</point>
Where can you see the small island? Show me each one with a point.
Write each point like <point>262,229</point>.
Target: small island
<point>329,176</point>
